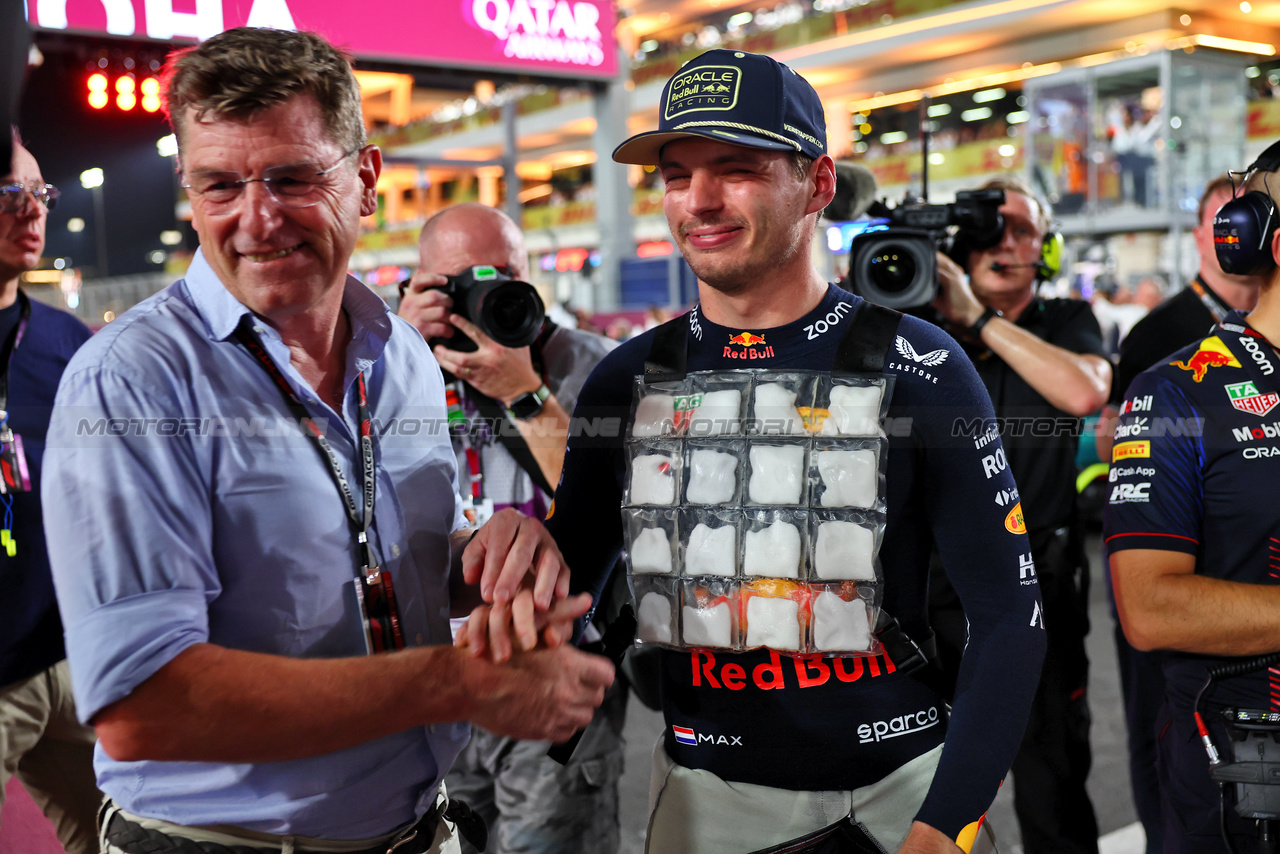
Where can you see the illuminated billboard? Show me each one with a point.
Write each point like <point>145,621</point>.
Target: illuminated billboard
<point>572,38</point>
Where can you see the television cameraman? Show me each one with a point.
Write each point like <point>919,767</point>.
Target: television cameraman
<point>1192,529</point>
<point>1041,361</point>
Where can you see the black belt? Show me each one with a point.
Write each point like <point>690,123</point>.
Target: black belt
<point>132,838</point>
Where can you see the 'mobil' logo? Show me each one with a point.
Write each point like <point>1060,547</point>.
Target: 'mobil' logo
<point>1212,354</point>
<point>707,87</point>
<point>748,341</point>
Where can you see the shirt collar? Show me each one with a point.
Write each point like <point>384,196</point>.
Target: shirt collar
<point>370,316</point>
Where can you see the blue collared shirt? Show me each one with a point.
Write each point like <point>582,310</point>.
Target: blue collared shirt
<point>183,505</point>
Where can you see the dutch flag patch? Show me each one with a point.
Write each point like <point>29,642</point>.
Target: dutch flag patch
<point>684,735</point>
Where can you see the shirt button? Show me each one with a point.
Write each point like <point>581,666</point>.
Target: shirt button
<point>395,550</point>
<point>258,329</point>
<point>417,638</point>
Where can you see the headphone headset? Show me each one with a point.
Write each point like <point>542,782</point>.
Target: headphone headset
<point>1243,227</point>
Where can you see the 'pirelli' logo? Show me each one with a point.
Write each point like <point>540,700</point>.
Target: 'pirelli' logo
<point>1129,450</point>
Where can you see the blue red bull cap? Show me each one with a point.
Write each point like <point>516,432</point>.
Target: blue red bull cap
<point>740,98</point>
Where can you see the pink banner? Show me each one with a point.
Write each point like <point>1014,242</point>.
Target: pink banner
<point>557,37</point>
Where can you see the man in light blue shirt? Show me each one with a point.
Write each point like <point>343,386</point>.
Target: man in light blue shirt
<point>237,471</point>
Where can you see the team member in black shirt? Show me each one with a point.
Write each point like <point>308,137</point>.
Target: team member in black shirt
<point>1041,361</point>
<point>1183,319</point>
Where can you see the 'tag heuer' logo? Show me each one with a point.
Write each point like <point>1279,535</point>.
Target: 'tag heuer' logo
<point>1246,397</point>
<point>1014,523</point>
<point>748,341</point>
<point>1212,354</point>
<point>1128,450</point>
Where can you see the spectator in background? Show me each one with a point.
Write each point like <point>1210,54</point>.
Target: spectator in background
<point>40,739</point>
<point>1116,311</point>
<point>532,804</point>
<point>1182,319</point>
<point>1133,131</point>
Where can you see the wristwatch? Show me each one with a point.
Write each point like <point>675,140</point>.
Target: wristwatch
<point>983,319</point>
<point>529,404</point>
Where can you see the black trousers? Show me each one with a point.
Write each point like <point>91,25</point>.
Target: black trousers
<point>1193,813</point>
<point>1142,687</point>
<point>1054,811</point>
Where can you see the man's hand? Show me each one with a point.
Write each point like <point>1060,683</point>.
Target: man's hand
<point>427,307</point>
<point>545,694</point>
<point>509,548</point>
<point>491,628</point>
<point>955,300</point>
<point>923,839</point>
<point>502,373</point>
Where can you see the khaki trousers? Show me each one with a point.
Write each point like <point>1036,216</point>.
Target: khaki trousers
<point>51,752</point>
<point>696,811</point>
<point>445,841</point>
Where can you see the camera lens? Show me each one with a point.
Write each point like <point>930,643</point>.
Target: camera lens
<point>895,269</point>
<point>511,313</point>
<point>892,269</point>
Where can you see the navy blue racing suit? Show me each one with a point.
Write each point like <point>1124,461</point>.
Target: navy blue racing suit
<point>811,723</point>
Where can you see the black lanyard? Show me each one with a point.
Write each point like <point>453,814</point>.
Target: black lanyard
<point>1213,305</point>
<point>360,524</point>
<point>11,347</point>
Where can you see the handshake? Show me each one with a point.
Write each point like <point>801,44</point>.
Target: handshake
<point>523,629</point>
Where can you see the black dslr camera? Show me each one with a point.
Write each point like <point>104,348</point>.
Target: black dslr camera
<point>893,263</point>
<point>507,310</point>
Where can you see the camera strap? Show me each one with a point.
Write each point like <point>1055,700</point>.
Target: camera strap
<point>496,414</point>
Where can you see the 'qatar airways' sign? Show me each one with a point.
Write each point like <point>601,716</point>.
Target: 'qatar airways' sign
<point>558,37</point>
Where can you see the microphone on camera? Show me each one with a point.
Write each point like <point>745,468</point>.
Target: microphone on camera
<point>855,192</point>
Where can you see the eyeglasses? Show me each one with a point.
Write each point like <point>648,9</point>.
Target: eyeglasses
<point>13,197</point>
<point>293,186</point>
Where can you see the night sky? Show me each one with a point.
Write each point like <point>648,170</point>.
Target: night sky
<point>67,137</point>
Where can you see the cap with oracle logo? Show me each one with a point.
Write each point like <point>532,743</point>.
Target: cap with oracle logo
<point>740,98</point>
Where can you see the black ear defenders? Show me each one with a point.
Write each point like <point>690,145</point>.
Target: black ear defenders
<point>1243,227</point>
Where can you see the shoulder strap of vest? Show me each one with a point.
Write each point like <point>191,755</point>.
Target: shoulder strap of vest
<point>869,335</point>
<point>668,355</point>
<point>861,349</point>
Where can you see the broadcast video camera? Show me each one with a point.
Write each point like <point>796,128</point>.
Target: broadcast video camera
<point>507,310</point>
<point>893,262</point>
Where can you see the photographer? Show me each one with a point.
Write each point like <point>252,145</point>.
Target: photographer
<point>531,803</point>
<point>1192,530</point>
<point>1042,365</point>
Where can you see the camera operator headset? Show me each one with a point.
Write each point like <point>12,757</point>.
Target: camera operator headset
<point>1042,363</point>
<point>1194,566</point>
